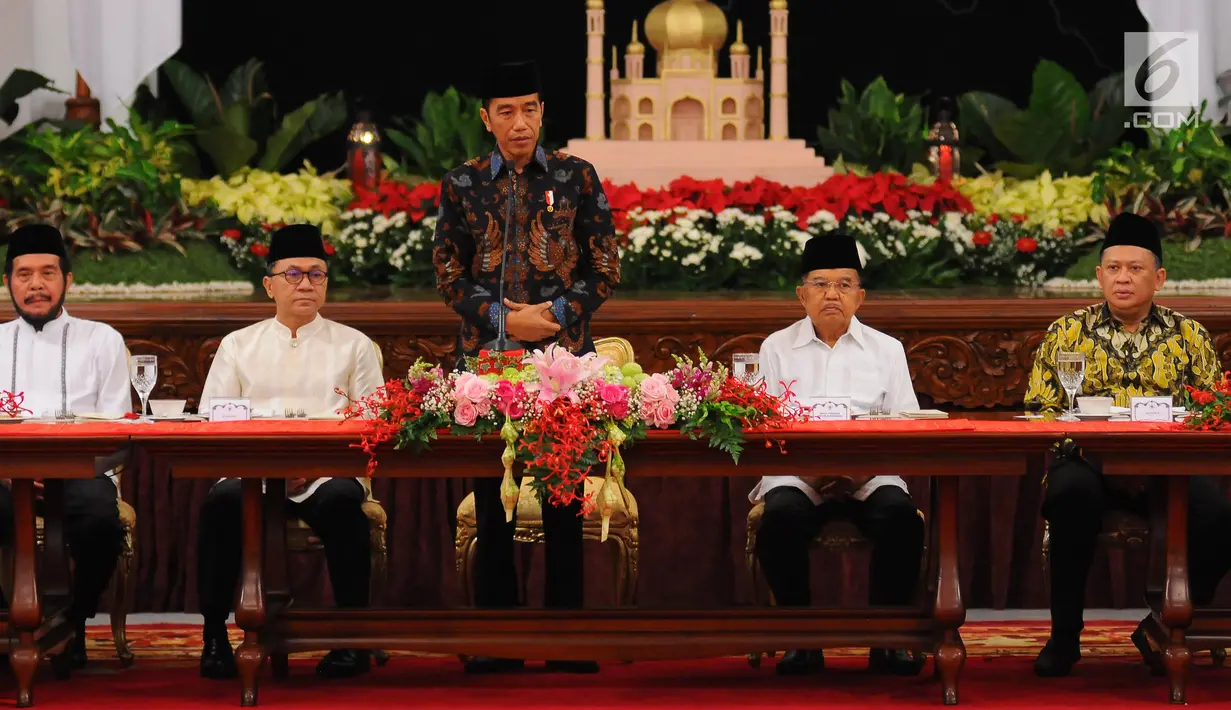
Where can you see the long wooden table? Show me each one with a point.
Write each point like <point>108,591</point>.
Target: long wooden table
<point>275,451</point>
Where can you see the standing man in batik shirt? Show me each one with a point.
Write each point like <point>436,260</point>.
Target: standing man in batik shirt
<point>296,361</point>
<point>830,353</point>
<point>1133,347</point>
<point>65,365</point>
<point>560,264</point>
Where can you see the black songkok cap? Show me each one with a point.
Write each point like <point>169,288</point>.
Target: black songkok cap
<point>296,241</point>
<point>1133,230</point>
<point>35,239</point>
<point>836,250</point>
<point>512,79</point>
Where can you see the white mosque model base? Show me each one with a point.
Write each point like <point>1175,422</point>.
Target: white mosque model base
<point>687,120</point>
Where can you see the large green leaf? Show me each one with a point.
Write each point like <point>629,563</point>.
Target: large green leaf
<point>1029,139</point>
<point>235,117</point>
<point>978,112</point>
<point>320,117</point>
<point>195,93</point>
<point>19,84</point>
<point>1058,98</point>
<point>245,84</point>
<point>228,150</point>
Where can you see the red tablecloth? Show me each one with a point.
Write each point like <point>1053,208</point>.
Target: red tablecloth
<point>256,427</point>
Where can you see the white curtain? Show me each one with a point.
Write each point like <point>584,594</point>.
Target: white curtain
<point>1211,19</point>
<point>115,44</point>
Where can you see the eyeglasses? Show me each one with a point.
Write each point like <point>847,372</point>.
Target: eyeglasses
<point>294,276</point>
<point>844,287</point>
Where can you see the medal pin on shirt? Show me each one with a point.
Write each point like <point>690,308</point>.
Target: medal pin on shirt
<point>551,200</point>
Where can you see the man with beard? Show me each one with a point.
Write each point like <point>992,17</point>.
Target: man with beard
<point>61,365</point>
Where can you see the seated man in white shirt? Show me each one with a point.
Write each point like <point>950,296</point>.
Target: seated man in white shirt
<point>831,354</point>
<point>64,365</point>
<point>293,361</point>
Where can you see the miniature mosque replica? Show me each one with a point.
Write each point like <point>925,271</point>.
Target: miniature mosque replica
<point>665,126</point>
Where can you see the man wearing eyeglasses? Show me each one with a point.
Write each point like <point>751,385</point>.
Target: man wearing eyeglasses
<point>295,363</point>
<point>830,353</point>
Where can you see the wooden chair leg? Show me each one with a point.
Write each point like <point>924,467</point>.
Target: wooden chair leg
<point>120,583</point>
<point>464,550</point>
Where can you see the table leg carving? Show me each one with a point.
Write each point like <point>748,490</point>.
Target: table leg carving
<point>25,613</point>
<point>1177,612</point>
<point>250,612</point>
<point>948,609</point>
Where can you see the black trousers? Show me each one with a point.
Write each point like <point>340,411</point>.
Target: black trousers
<point>889,518</point>
<point>495,575</point>
<point>1074,505</point>
<point>94,534</point>
<point>334,512</point>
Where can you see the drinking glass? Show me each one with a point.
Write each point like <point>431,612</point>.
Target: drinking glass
<point>143,371</point>
<point>1071,368</point>
<point>746,366</point>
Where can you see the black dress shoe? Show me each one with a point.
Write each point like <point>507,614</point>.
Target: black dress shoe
<point>572,666</point>
<point>1153,659</point>
<point>76,655</point>
<point>1057,658</point>
<point>218,660</point>
<point>344,663</point>
<point>801,662</point>
<point>895,661</point>
<point>485,664</point>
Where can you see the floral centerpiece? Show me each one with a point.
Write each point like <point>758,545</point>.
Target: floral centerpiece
<point>1210,409</point>
<point>560,415</point>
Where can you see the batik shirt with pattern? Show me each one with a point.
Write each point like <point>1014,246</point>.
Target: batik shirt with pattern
<point>564,248</point>
<point>1166,353</point>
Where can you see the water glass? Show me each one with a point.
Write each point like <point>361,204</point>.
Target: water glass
<point>746,366</point>
<point>1071,369</point>
<point>143,371</point>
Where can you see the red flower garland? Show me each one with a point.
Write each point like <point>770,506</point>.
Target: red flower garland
<point>10,404</point>
<point>1211,410</point>
<point>557,443</point>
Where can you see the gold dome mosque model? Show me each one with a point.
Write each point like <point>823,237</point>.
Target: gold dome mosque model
<point>662,126</point>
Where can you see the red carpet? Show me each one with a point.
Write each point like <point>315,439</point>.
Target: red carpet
<point>997,675</point>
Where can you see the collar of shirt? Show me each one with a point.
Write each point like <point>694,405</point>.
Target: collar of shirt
<point>497,158</point>
<point>1158,314</point>
<point>806,334</point>
<point>305,331</point>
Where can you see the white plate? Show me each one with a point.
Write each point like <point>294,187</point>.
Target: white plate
<point>177,418</point>
<point>12,420</point>
<point>99,416</point>
<point>326,417</point>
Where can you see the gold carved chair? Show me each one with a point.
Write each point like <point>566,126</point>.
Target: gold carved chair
<point>299,537</point>
<point>120,580</point>
<point>838,534</point>
<point>623,526</point>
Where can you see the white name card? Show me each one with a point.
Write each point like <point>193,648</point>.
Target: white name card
<point>1151,409</point>
<point>832,409</point>
<point>230,410</point>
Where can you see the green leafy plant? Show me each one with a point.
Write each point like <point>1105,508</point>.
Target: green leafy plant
<point>107,191</point>
<point>1062,129</point>
<point>448,132</point>
<point>1182,178</point>
<point>19,84</point>
<point>875,130</point>
<point>240,125</point>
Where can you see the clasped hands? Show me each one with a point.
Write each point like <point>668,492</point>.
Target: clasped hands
<point>530,323</point>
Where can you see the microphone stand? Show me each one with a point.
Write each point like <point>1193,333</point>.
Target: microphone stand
<point>501,344</point>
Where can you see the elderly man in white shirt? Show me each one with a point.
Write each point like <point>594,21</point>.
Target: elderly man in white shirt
<point>64,365</point>
<point>294,361</point>
<point>830,353</point>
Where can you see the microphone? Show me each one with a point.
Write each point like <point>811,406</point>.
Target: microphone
<point>502,343</point>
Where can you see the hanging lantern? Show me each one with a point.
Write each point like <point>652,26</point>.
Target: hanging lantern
<point>363,159</point>
<point>944,148</point>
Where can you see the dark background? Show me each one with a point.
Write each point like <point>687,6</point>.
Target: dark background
<point>389,54</point>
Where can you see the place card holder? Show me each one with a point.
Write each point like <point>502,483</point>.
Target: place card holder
<point>226,409</point>
<point>1151,409</point>
<point>831,409</point>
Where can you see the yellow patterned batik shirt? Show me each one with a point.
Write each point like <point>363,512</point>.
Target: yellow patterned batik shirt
<point>1168,352</point>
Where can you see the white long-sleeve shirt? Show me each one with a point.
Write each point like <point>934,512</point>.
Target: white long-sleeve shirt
<point>276,372</point>
<point>74,364</point>
<point>864,364</point>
